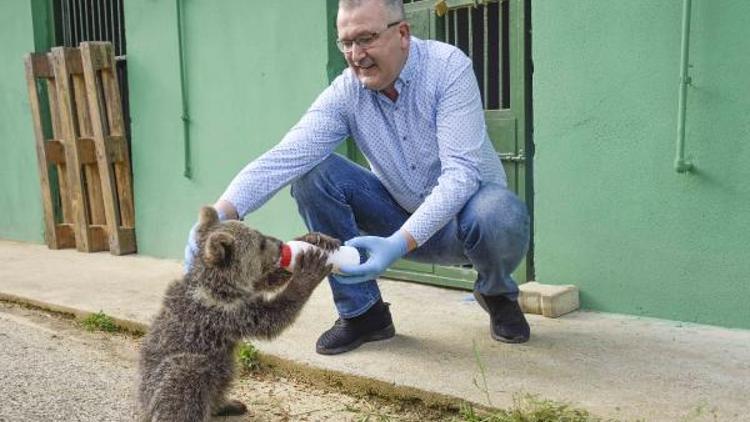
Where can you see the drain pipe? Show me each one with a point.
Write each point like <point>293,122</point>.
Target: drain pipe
<point>680,164</point>
<point>185,117</point>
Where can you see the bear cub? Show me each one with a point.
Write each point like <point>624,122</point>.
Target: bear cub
<point>233,290</point>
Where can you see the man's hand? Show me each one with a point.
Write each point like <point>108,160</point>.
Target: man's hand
<point>381,252</point>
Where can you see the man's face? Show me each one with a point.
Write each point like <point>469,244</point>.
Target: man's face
<point>377,66</point>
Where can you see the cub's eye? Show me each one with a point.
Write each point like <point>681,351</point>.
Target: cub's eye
<point>263,244</point>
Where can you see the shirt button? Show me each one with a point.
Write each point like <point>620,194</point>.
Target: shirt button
<point>404,138</point>
<point>413,167</point>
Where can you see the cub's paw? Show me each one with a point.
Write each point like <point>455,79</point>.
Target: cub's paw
<point>231,408</point>
<point>325,242</point>
<point>311,265</point>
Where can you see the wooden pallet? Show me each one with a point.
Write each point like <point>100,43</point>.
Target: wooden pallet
<point>103,93</point>
<point>51,163</point>
<point>88,149</point>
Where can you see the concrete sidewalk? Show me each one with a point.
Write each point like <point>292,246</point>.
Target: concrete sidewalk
<point>614,366</point>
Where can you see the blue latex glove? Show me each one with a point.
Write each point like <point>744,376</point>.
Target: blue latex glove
<point>381,253</point>
<point>191,249</point>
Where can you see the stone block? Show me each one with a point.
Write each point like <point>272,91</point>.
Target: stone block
<point>548,299</point>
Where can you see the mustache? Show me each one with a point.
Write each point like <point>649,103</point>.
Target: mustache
<point>365,63</point>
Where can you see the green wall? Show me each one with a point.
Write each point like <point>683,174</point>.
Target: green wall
<point>252,67</point>
<point>612,215</point>
<point>20,197</point>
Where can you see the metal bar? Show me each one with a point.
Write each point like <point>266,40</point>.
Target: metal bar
<point>486,49</point>
<point>103,21</point>
<point>500,64</point>
<point>106,27</point>
<point>86,14</point>
<point>72,18</point>
<point>80,35</point>
<point>65,19</point>
<point>112,25</point>
<point>73,22</point>
<point>455,27</point>
<point>92,13</point>
<point>120,32</point>
<point>95,19</point>
<point>64,23</point>
<point>471,32</point>
<point>98,19</point>
<point>680,164</point>
<point>447,28</point>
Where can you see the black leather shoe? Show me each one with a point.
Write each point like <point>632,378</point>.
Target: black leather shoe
<point>507,322</point>
<point>348,334</point>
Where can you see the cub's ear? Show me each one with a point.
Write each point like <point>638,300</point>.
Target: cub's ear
<point>207,217</point>
<point>218,249</point>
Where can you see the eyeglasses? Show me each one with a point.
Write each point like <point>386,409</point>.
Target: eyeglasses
<point>363,41</point>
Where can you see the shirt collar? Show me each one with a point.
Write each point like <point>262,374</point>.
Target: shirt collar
<point>410,67</point>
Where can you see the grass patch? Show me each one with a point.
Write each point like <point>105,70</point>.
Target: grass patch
<point>100,322</point>
<point>248,356</point>
<point>529,408</point>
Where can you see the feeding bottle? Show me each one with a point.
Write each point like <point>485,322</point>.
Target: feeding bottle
<point>343,256</point>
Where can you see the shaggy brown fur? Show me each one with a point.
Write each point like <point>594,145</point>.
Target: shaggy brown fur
<point>234,290</point>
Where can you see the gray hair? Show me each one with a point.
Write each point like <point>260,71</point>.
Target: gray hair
<point>395,7</point>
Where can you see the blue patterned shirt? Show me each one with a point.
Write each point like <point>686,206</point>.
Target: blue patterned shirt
<point>429,148</point>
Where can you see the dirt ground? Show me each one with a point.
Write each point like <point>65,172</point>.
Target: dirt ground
<point>113,359</point>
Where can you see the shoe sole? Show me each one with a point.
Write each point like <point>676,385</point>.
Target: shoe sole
<point>382,334</point>
<point>514,340</point>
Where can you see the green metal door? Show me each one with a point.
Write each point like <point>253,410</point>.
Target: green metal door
<point>491,33</point>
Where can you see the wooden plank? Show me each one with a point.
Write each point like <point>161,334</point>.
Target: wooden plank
<point>107,124</point>
<point>116,123</point>
<point>66,237</point>
<point>68,124</point>
<point>54,108</point>
<point>51,237</point>
<point>99,237</point>
<point>40,66</point>
<point>94,192</point>
<point>54,151</point>
<point>127,239</point>
<point>86,148</point>
<point>61,170</point>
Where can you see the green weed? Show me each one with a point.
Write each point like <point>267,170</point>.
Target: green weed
<point>101,322</point>
<point>248,356</point>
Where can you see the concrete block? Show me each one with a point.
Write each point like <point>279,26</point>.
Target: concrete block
<point>547,299</point>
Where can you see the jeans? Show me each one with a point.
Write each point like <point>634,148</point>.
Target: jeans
<point>344,200</point>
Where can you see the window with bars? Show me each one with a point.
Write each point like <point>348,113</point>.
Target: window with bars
<point>482,33</point>
<point>76,21</point>
<point>90,20</point>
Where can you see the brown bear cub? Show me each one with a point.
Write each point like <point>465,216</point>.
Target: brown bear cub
<point>233,290</point>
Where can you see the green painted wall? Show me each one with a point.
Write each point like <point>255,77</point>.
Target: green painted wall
<point>20,197</point>
<point>612,216</point>
<point>252,67</point>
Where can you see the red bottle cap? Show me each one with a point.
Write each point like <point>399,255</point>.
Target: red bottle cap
<point>286,256</point>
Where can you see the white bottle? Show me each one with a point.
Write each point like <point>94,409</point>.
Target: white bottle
<point>343,256</point>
